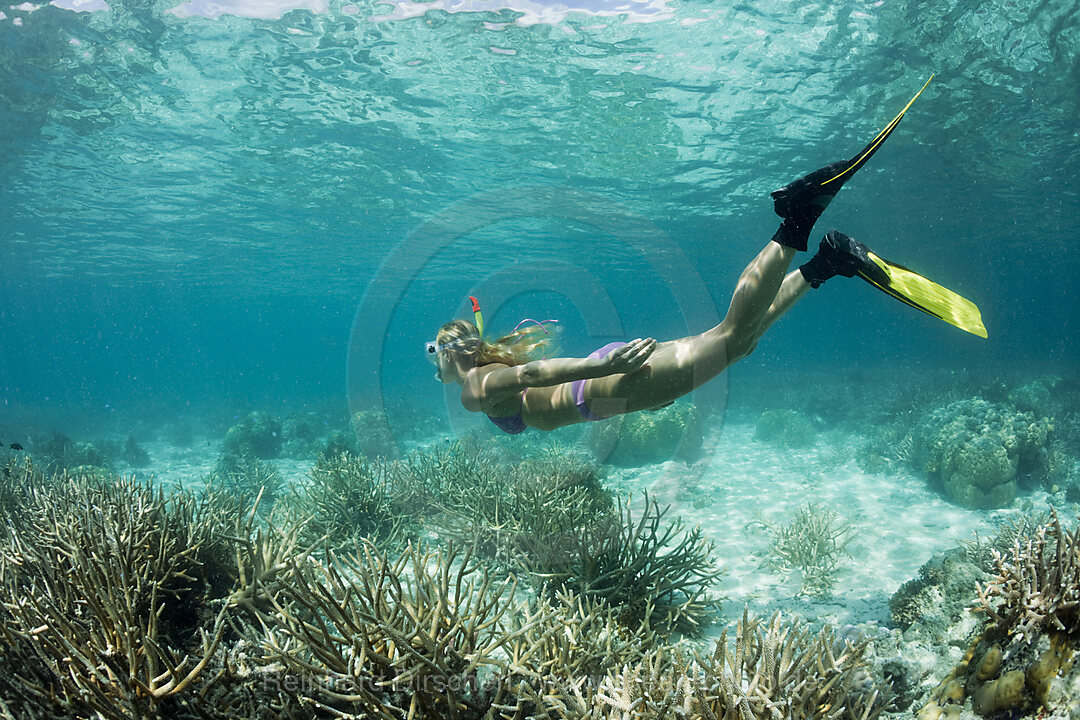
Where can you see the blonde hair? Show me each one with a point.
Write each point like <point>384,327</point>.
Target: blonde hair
<point>516,348</point>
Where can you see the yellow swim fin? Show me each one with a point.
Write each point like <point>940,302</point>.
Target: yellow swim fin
<point>841,254</point>
<point>913,289</point>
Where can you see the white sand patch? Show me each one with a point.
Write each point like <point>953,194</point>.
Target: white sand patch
<point>899,521</point>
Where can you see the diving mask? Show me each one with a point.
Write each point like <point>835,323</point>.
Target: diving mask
<point>432,348</point>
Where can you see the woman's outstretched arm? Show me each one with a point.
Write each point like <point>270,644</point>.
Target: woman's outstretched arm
<point>554,371</point>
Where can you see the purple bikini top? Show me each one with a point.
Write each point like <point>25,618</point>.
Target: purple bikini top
<point>515,423</point>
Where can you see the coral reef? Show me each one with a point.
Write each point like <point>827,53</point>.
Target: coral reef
<point>775,669</point>
<point>1036,587</point>
<point>122,602</point>
<point>673,432</point>
<point>785,428</point>
<point>518,514</point>
<point>107,589</point>
<point>646,570</point>
<point>375,636</point>
<point>257,435</point>
<point>1031,606</point>
<point>811,544</point>
<point>939,597</point>
<point>562,647</point>
<point>977,450</point>
<point>246,476</point>
<point>459,477</point>
<point>350,498</point>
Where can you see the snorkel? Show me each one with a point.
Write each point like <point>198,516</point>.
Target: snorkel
<point>478,316</point>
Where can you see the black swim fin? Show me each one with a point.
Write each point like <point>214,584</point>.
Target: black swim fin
<point>842,254</point>
<point>802,201</point>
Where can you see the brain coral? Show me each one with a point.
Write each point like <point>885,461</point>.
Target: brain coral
<point>976,449</point>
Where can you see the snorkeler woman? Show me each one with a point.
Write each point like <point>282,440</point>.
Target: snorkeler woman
<point>500,378</point>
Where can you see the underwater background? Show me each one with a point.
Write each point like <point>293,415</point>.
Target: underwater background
<point>197,197</point>
<point>228,228</point>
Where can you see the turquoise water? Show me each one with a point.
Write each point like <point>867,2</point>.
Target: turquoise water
<point>228,227</point>
<point>274,204</point>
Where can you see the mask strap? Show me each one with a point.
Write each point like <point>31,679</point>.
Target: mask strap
<point>537,322</point>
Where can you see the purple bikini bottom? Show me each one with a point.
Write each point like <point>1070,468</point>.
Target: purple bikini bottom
<point>577,388</point>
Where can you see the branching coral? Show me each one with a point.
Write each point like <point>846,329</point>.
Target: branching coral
<point>1018,527</point>
<point>636,565</point>
<point>377,636</point>
<point>563,648</point>
<point>776,670</point>
<point>505,511</point>
<point>105,601</point>
<point>456,476</point>
<point>122,602</point>
<point>538,505</point>
<point>811,543</point>
<point>1036,588</point>
<point>350,497</point>
<point>246,476</point>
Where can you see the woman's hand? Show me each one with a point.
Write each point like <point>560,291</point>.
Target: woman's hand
<point>631,356</point>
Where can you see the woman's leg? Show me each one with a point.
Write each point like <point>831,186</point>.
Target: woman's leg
<point>762,294</point>
<point>793,288</point>
<point>761,297</point>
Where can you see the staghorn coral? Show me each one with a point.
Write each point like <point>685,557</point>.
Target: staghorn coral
<point>505,511</point>
<point>1032,604</point>
<point>105,607</point>
<point>561,650</point>
<point>775,670</point>
<point>350,497</point>
<point>636,565</point>
<point>453,476</point>
<point>372,635</point>
<point>246,476</point>
<point>244,621</point>
<point>811,544</point>
<point>1036,587</point>
<point>1008,531</point>
<point>121,602</point>
<point>527,510</point>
